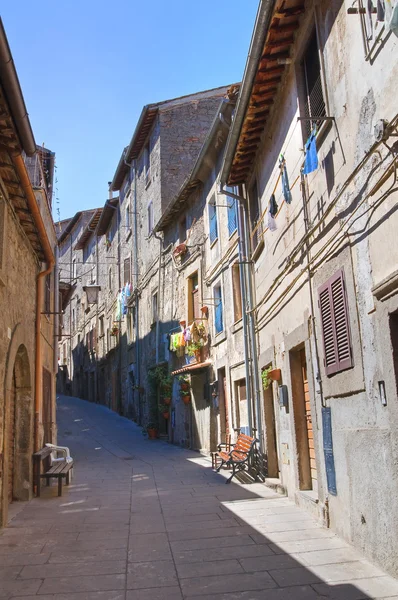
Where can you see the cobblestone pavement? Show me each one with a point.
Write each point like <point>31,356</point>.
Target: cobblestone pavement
<point>144,520</point>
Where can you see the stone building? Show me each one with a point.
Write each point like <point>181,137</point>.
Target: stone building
<point>318,98</point>
<point>27,292</point>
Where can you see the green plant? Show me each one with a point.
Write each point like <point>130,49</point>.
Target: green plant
<point>183,378</point>
<point>163,408</point>
<point>151,425</point>
<point>265,378</point>
<point>194,348</point>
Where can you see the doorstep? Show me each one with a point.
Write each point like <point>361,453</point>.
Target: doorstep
<point>309,501</point>
<point>274,483</point>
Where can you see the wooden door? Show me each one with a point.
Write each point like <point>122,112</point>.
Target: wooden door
<point>47,406</point>
<point>11,441</point>
<point>308,418</point>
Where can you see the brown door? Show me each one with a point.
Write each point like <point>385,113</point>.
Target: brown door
<point>47,405</point>
<point>308,418</point>
<point>11,441</point>
<point>270,431</point>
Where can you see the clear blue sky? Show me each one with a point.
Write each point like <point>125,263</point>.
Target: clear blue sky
<point>87,68</point>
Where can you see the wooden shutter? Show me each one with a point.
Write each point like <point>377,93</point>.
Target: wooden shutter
<point>335,324</point>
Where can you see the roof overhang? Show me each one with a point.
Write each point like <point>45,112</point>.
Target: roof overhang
<point>133,150</point>
<point>269,54</point>
<point>89,229</point>
<point>106,216</point>
<point>193,367</point>
<point>70,226</point>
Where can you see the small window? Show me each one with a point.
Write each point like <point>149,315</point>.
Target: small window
<point>232,211</point>
<point>182,230</point>
<point>147,164</point>
<point>126,188</point>
<point>47,294</point>
<point>101,326</point>
<point>314,102</point>
<point>218,310</point>
<point>254,209</point>
<point>73,319</point>
<point>335,324</point>
<point>128,217</point>
<point>213,220</point>
<point>74,272</point>
<point>150,218</point>
<point>236,293</point>
<point>126,265</point>
<point>155,308</point>
<point>110,279</point>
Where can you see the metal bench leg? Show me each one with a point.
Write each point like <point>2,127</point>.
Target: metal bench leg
<point>67,478</point>
<point>59,486</point>
<point>222,463</point>
<point>233,473</point>
<point>48,482</point>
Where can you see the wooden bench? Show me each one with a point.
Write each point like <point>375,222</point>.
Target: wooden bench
<point>60,470</point>
<point>239,456</point>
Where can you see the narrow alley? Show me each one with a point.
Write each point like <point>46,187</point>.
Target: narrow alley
<point>143,519</point>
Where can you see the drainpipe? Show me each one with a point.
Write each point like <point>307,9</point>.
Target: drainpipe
<point>56,308</point>
<point>242,257</point>
<point>157,340</point>
<point>244,265</point>
<point>49,256</point>
<point>137,316</point>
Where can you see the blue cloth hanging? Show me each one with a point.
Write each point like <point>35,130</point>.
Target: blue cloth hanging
<point>285,181</point>
<point>311,155</point>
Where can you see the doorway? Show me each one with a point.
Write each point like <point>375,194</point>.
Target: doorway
<point>303,421</point>
<point>223,406</point>
<point>47,412</point>
<point>272,466</point>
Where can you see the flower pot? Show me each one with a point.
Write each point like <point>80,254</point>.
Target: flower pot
<point>275,375</point>
<point>166,415</point>
<point>197,355</point>
<point>167,401</point>
<point>152,434</point>
<point>186,399</point>
<point>204,310</point>
<point>185,387</point>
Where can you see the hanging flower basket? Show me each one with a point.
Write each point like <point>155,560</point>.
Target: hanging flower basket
<point>167,401</point>
<point>152,433</point>
<point>185,387</point>
<point>114,330</point>
<point>180,250</point>
<point>166,415</point>
<point>275,374</point>
<point>186,398</point>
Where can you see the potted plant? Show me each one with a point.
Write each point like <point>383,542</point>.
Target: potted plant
<point>166,401</point>
<point>186,398</point>
<point>152,430</point>
<point>265,378</point>
<point>180,250</point>
<point>184,383</point>
<point>275,374</point>
<point>164,410</point>
<point>194,349</point>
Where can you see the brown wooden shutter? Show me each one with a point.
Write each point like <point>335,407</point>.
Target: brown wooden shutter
<point>335,324</point>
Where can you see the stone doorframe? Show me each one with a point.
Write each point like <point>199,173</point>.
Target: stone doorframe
<point>19,360</point>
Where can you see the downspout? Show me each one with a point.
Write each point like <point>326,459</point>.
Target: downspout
<point>157,337</point>
<point>56,341</point>
<point>244,264</point>
<point>49,255</point>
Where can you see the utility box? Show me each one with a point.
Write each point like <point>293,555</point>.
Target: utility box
<point>283,396</point>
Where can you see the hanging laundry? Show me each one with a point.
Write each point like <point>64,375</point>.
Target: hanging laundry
<point>369,22</point>
<point>285,181</point>
<point>273,207</point>
<point>391,16</point>
<point>271,223</point>
<point>187,334</point>
<point>311,155</point>
<point>380,10</point>
<point>123,302</point>
<point>127,290</point>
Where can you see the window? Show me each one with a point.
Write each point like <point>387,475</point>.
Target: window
<point>150,218</point>
<point>147,164</point>
<point>236,293</point>
<point>73,319</point>
<point>155,308</point>
<point>101,326</point>
<point>182,230</point>
<point>232,212</point>
<point>110,279</point>
<point>128,217</point>
<point>254,209</point>
<point>126,270</point>
<point>193,298</point>
<point>314,103</point>
<point>47,294</point>
<point>213,220</point>
<point>218,310</point>
<point>126,188</point>
<point>74,268</point>
<point>335,324</point>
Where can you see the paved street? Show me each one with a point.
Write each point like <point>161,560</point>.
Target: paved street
<point>146,520</point>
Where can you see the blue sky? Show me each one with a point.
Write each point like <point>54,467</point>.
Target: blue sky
<point>87,68</point>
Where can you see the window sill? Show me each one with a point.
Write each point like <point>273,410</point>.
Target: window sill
<point>219,338</point>
<point>129,234</point>
<point>237,326</point>
<point>148,182</point>
<point>214,242</point>
<point>233,234</point>
<point>258,250</point>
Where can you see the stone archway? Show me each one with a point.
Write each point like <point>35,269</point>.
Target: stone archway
<point>18,431</point>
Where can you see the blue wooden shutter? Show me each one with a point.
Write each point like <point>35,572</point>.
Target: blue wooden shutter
<point>213,223</point>
<point>328,450</point>
<point>218,313</point>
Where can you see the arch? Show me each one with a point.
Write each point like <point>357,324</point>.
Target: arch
<point>18,409</point>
